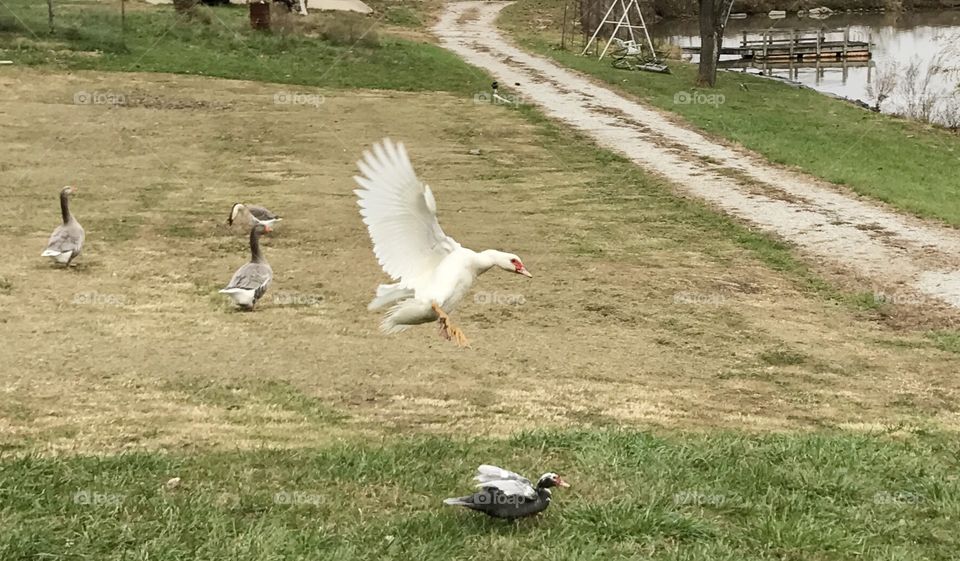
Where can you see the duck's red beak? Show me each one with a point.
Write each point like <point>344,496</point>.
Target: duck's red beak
<point>523,271</point>
<point>562,483</point>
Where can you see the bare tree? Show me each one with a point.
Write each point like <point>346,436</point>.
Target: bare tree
<point>884,84</point>
<point>712,20</point>
<point>949,113</point>
<point>916,90</point>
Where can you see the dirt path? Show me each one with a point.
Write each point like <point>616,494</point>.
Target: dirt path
<point>908,256</point>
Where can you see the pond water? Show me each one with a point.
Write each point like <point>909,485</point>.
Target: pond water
<point>898,40</point>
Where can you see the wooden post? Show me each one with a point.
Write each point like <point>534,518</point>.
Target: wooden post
<point>846,39</point>
<point>819,42</point>
<point>563,32</point>
<point>50,14</point>
<point>123,17</point>
<point>766,36</point>
<point>793,41</point>
<point>743,42</point>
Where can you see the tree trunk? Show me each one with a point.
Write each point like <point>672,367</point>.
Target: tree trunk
<point>709,43</point>
<point>50,14</point>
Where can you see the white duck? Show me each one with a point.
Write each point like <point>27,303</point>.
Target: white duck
<point>66,242</point>
<point>433,271</point>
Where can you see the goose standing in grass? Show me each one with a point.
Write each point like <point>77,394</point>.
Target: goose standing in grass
<point>433,271</point>
<point>504,494</point>
<point>251,215</point>
<point>66,242</point>
<point>250,282</point>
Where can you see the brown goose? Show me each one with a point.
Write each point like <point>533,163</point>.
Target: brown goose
<point>66,242</point>
<point>253,215</point>
<point>250,282</point>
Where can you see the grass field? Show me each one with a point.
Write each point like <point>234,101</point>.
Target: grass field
<point>908,165</point>
<point>718,497</point>
<point>708,396</point>
<point>88,35</point>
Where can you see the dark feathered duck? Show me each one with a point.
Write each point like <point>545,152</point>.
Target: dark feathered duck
<point>250,282</point>
<point>505,494</point>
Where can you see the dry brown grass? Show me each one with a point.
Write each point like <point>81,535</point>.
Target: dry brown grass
<point>638,313</point>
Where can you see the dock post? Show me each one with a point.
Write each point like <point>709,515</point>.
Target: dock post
<point>819,42</point>
<point>743,42</point>
<point>846,39</point>
<point>793,42</point>
<point>766,35</point>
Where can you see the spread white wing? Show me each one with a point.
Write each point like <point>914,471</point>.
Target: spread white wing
<point>401,214</point>
<point>508,482</point>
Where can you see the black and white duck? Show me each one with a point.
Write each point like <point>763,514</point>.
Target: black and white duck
<point>505,494</point>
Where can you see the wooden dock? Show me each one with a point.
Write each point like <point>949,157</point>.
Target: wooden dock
<point>797,45</point>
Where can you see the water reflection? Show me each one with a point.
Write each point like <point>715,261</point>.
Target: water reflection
<point>898,40</point>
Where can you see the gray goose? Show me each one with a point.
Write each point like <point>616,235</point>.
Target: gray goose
<point>505,494</point>
<point>254,215</point>
<point>250,282</point>
<point>66,242</point>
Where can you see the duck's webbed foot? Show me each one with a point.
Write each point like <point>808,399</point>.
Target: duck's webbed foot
<point>449,331</point>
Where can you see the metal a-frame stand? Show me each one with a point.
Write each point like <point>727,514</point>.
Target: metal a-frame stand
<point>623,23</point>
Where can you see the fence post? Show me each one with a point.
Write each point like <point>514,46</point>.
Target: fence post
<point>50,14</point>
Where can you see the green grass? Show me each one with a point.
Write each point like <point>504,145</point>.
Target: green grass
<point>908,165</point>
<point>89,36</point>
<point>634,495</point>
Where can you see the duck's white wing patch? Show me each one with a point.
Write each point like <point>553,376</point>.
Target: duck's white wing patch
<point>400,213</point>
<point>487,472</point>
<point>511,487</point>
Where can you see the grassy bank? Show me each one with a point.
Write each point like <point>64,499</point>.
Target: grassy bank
<point>908,165</point>
<point>723,496</point>
<point>219,42</point>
